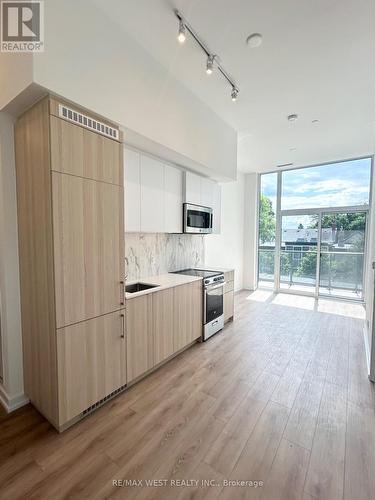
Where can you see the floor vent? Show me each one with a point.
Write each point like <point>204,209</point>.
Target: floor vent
<point>101,402</point>
<point>88,122</point>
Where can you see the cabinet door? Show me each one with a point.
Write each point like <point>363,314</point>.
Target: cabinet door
<point>139,336</point>
<point>187,314</point>
<point>91,362</point>
<point>152,195</point>
<point>173,199</point>
<point>228,305</point>
<point>207,192</point>
<point>88,248</point>
<point>162,305</point>
<point>192,188</point>
<point>78,151</point>
<point>132,187</point>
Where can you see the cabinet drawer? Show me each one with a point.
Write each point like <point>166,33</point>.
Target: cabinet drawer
<point>92,362</point>
<point>77,151</point>
<point>229,276</point>
<point>229,286</point>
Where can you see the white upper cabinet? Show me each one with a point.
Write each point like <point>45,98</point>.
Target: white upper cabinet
<point>172,200</point>
<point>152,195</point>
<point>132,184</point>
<point>192,188</point>
<point>199,190</point>
<point>207,192</point>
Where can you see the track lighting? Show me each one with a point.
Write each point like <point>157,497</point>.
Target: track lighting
<point>234,94</point>
<point>210,64</point>
<point>181,32</point>
<point>213,60</point>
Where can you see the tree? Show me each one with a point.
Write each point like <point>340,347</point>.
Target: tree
<point>346,221</point>
<point>307,265</point>
<point>267,225</point>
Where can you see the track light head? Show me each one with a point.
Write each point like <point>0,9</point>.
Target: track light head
<point>213,60</point>
<point>181,32</point>
<point>210,64</point>
<point>234,94</point>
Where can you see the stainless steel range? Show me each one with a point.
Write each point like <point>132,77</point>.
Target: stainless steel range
<point>213,303</point>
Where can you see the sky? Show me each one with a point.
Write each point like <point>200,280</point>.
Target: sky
<point>333,185</point>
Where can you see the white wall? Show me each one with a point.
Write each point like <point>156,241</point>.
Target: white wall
<point>226,249</point>
<point>16,73</point>
<point>92,61</point>
<point>11,392</point>
<point>250,234</point>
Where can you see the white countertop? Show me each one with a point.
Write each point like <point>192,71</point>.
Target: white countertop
<point>163,281</point>
<point>215,268</point>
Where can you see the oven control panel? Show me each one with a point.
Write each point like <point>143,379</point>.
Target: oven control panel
<point>215,280</point>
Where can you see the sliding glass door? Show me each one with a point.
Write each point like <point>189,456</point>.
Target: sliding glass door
<point>343,237</point>
<point>312,229</point>
<point>298,252</point>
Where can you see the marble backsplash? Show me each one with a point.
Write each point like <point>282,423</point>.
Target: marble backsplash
<point>151,254</point>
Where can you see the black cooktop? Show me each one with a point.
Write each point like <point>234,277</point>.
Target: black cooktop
<point>201,273</point>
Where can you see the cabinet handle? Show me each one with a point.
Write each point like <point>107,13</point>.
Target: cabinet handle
<point>122,293</point>
<point>122,326</point>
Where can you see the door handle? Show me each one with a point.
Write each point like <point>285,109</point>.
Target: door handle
<point>122,325</point>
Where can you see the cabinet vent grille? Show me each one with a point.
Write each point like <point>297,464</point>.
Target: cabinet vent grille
<point>88,122</point>
<point>101,402</point>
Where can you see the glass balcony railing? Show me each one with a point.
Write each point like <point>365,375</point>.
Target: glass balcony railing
<point>266,264</point>
<point>298,267</point>
<point>339,271</point>
<point>342,270</point>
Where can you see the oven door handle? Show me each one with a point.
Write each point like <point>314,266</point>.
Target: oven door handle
<point>213,287</point>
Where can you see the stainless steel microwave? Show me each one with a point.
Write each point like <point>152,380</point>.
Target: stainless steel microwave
<point>197,219</point>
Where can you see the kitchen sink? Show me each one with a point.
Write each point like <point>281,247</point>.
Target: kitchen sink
<point>138,287</point>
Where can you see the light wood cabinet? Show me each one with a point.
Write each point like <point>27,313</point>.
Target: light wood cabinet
<point>71,251</point>
<point>162,305</point>
<point>132,176</point>
<point>92,362</point>
<point>78,151</point>
<point>152,195</point>
<point>228,306</point>
<point>228,297</point>
<point>160,324</point>
<point>187,308</point>
<point>88,247</point>
<point>139,336</point>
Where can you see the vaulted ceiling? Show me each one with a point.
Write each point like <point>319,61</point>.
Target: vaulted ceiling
<point>316,60</point>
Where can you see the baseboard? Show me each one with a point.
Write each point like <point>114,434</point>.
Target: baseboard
<point>12,403</point>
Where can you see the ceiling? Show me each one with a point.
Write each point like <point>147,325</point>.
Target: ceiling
<point>316,60</point>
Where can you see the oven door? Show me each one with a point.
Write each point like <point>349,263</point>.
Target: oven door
<point>197,219</point>
<point>214,302</point>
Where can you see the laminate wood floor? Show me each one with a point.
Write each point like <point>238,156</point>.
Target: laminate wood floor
<point>279,400</point>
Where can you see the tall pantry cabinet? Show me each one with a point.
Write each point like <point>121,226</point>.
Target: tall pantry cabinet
<point>71,246</point>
